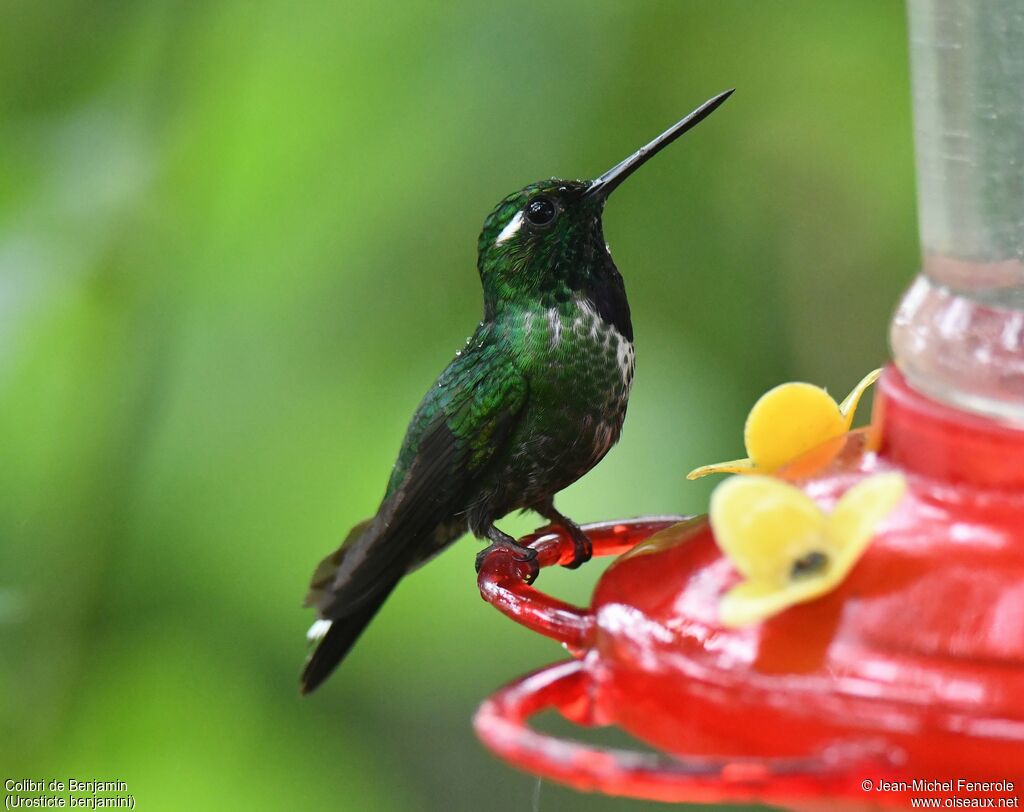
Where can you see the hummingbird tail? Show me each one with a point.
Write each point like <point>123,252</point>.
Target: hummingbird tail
<point>341,635</point>
<point>414,522</point>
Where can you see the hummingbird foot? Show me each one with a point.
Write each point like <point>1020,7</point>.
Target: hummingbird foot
<point>582,547</point>
<point>503,541</point>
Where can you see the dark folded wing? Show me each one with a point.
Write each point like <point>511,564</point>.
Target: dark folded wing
<point>451,446</point>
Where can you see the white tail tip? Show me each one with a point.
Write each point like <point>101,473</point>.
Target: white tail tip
<point>318,630</point>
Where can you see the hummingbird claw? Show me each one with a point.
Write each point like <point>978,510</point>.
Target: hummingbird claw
<point>582,548</point>
<point>520,554</point>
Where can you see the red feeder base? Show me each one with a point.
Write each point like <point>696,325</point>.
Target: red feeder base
<point>906,681</point>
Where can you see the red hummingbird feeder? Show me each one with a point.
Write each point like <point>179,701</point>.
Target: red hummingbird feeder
<point>904,678</point>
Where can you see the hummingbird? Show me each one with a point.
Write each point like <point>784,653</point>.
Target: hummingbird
<point>534,400</point>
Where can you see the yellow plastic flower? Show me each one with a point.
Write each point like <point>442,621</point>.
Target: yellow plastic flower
<point>789,421</point>
<point>787,549</point>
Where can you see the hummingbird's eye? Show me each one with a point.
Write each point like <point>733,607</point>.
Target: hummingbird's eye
<point>540,211</point>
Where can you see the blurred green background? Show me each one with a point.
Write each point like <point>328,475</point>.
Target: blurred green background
<point>237,242</point>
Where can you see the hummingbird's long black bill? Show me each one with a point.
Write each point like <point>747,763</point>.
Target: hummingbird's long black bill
<point>607,183</point>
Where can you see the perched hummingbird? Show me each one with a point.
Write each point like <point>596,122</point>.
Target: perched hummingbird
<point>534,400</point>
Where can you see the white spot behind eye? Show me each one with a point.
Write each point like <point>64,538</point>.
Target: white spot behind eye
<point>510,229</point>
